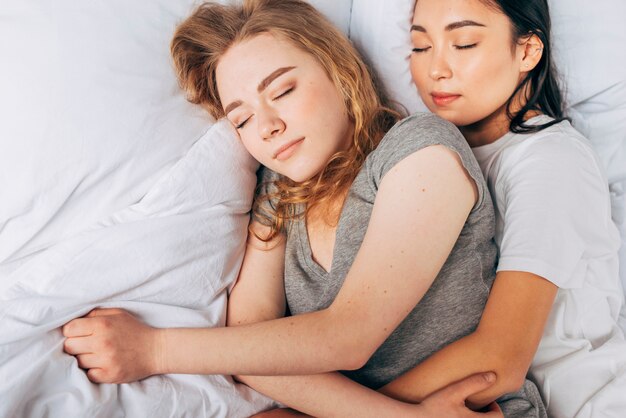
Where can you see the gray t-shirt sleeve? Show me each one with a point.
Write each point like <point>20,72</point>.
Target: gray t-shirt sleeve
<point>415,133</point>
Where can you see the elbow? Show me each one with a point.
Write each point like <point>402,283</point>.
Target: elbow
<point>510,377</point>
<point>508,359</point>
<point>504,385</point>
<point>348,346</point>
<point>510,380</point>
<point>354,360</point>
<point>346,355</point>
<point>510,368</point>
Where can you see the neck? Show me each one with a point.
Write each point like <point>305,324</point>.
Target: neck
<point>327,212</point>
<point>487,130</point>
<point>496,125</point>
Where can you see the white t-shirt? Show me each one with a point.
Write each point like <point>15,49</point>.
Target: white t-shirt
<point>553,215</point>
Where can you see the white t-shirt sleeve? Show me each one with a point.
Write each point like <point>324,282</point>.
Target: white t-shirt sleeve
<point>552,193</point>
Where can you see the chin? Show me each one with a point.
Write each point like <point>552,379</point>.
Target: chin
<point>299,175</point>
<point>447,115</point>
<point>302,169</point>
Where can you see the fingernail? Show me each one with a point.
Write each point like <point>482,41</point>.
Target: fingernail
<point>490,377</point>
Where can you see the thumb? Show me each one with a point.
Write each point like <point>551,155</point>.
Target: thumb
<point>471,385</point>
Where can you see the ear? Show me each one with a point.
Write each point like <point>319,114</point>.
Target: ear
<point>532,51</point>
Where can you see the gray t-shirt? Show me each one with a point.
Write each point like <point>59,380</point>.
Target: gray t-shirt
<point>453,305</point>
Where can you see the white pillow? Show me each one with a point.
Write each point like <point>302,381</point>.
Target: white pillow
<point>381,32</point>
<point>91,114</point>
<point>337,11</point>
<point>589,39</point>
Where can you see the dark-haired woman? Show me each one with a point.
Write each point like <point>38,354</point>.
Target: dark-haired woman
<point>485,65</point>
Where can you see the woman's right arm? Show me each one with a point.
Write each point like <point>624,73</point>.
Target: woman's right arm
<point>259,296</point>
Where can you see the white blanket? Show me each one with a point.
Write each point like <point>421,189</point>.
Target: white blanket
<point>169,258</point>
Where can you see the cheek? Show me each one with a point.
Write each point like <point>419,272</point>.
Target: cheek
<point>417,72</point>
<point>492,70</point>
<point>420,76</point>
<point>313,94</point>
<point>325,106</point>
<point>252,145</point>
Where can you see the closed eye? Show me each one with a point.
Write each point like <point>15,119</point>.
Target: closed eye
<point>469,46</point>
<point>242,124</point>
<point>283,94</point>
<point>418,50</point>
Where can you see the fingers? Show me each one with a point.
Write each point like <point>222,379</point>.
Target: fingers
<point>78,345</point>
<point>88,361</point>
<point>105,312</point>
<point>473,384</point>
<point>97,375</point>
<point>80,327</point>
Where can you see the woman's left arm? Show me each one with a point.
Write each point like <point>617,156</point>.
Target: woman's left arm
<point>505,342</point>
<point>420,209</point>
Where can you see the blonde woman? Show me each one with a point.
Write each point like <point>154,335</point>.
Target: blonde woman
<point>377,240</point>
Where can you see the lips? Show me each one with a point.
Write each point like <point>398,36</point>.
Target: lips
<point>442,99</point>
<point>287,150</point>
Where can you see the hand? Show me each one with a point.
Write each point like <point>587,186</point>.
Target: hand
<point>450,401</point>
<point>113,346</point>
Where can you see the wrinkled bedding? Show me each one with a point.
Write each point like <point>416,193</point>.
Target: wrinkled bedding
<point>168,258</point>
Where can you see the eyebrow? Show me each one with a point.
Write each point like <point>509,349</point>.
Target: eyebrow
<point>451,26</point>
<point>232,106</point>
<point>262,86</point>
<point>268,80</point>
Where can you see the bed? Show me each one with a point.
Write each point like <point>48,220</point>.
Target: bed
<point>114,191</point>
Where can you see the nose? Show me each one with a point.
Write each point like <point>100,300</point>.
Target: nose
<point>439,66</point>
<point>270,124</point>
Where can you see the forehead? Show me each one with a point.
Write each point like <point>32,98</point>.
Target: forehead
<point>247,63</point>
<point>442,12</point>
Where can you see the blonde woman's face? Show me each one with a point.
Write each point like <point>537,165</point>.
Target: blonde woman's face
<point>462,62</point>
<point>287,111</point>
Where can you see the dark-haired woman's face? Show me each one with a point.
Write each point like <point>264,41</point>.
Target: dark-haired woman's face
<point>287,111</point>
<point>463,63</point>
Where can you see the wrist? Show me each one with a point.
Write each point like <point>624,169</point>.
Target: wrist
<point>159,344</point>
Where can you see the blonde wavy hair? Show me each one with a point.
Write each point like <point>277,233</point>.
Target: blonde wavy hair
<point>203,38</point>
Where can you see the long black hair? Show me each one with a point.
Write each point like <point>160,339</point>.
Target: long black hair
<point>532,17</point>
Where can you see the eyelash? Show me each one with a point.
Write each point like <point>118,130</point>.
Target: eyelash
<point>458,47</point>
<point>286,92</point>
<point>470,46</point>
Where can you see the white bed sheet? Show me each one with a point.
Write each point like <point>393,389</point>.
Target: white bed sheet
<point>169,258</point>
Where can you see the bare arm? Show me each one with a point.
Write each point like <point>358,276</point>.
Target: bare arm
<point>264,300</point>
<point>259,296</point>
<point>369,306</point>
<point>326,394</point>
<point>505,342</point>
<point>431,182</point>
